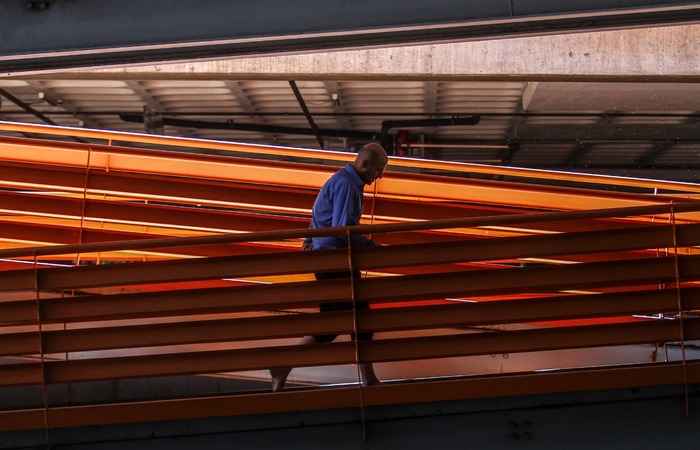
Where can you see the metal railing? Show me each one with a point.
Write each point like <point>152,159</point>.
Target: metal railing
<point>635,280</point>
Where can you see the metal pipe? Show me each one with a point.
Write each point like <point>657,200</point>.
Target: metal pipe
<point>388,125</point>
<point>307,114</point>
<point>259,128</point>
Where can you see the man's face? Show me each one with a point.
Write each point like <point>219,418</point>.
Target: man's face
<point>375,171</point>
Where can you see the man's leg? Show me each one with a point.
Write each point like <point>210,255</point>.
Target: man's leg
<point>368,376</point>
<point>366,369</point>
<point>280,374</point>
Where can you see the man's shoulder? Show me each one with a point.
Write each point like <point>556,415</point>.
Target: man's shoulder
<point>340,178</point>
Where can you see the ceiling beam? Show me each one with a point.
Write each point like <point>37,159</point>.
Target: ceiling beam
<point>526,97</point>
<point>122,32</point>
<point>655,152</point>
<point>581,150</point>
<point>28,109</point>
<point>578,155</point>
<point>145,95</point>
<point>307,113</point>
<point>52,99</point>
<point>247,103</point>
<point>691,117</point>
<point>430,101</point>
<point>602,131</point>
<point>660,149</point>
<point>152,108</point>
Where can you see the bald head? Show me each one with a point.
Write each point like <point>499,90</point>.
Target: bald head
<point>370,162</point>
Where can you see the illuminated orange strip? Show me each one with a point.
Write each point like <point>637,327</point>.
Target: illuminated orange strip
<point>308,176</point>
<point>241,148</point>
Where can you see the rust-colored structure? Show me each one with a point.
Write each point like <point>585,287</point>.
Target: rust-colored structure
<point>133,256</point>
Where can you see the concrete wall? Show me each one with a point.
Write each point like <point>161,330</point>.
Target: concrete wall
<point>638,52</point>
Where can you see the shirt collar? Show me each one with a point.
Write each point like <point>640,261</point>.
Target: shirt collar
<point>354,176</point>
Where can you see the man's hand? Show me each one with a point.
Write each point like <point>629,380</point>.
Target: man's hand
<point>307,244</point>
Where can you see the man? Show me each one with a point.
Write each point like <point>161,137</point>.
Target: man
<point>339,204</point>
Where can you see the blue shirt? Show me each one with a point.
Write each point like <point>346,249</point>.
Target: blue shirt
<point>338,204</point>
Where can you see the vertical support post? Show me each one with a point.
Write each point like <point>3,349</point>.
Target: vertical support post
<point>86,179</point>
<point>355,328</point>
<point>374,204</point>
<point>681,313</point>
<point>44,388</point>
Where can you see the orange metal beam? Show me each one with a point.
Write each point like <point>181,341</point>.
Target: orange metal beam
<point>344,352</point>
<point>503,220</point>
<point>288,295</point>
<point>202,331</point>
<point>189,218</point>
<point>255,185</point>
<point>589,379</point>
<point>214,193</point>
<point>238,148</point>
<point>310,176</point>
<point>140,213</point>
<point>382,257</point>
<point>70,236</point>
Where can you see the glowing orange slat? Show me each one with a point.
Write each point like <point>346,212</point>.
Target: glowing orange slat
<point>341,156</point>
<point>306,176</point>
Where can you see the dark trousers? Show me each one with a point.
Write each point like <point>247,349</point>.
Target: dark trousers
<point>340,306</point>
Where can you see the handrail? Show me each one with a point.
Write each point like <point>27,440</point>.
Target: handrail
<point>377,289</point>
<point>638,273</point>
<point>386,350</point>
<point>239,317</point>
<point>439,224</point>
<point>345,157</point>
<point>561,381</point>
<point>242,266</point>
<point>417,318</point>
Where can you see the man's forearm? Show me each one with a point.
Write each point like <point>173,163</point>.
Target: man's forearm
<point>361,241</point>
